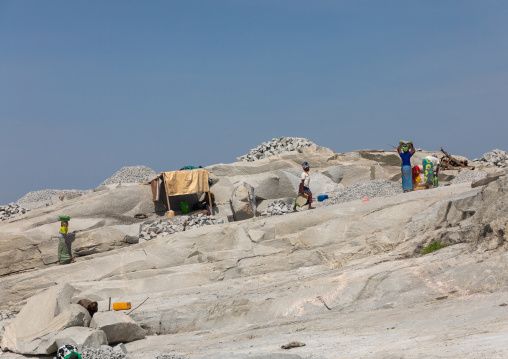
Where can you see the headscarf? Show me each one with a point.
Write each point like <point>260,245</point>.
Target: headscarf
<point>305,166</point>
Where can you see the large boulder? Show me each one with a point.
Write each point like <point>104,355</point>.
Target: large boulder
<point>131,232</point>
<point>491,177</point>
<point>18,253</point>
<point>335,173</point>
<point>30,243</point>
<point>243,202</point>
<point>98,240</point>
<point>81,337</point>
<point>119,328</point>
<point>34,330</point>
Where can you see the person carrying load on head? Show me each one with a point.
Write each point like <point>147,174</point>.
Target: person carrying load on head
<point>431,169</point>
<point>64,253</point>
<point>406,150</point>
<point>305,186</point>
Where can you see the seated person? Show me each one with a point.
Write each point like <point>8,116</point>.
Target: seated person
<point>92,307</point>
<point>204,206</point>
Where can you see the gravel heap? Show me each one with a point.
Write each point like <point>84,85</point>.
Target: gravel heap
<point>277,208</point>
<point>5,316</point>
<point>11,210</point>
<point>275,147</point>
<point>497,158</point>
<point>46,194</point>
<point>374,188</point>
<point>161,228</point>
<point>132,174</point>
<point>107,352</point>
<point>468,176</point>
<point>104,352</point>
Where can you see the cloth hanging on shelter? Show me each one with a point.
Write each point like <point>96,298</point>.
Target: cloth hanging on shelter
<point>186,182</point>
<point>156,185</point>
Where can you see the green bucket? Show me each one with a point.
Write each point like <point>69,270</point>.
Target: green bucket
<point>185,207</point>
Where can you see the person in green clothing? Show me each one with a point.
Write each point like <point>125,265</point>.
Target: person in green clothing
<point>64,254</point>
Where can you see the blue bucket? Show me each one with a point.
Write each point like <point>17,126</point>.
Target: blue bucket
<point>322,197</point>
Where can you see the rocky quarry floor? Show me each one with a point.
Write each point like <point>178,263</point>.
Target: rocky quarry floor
<point>345,280</point>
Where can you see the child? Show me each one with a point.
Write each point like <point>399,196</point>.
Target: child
<point>304,185</point>
<point>64,254</point>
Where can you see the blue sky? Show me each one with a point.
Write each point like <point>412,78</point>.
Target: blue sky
<point>88,87</point>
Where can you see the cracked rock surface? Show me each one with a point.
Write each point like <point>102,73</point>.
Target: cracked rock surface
<point>347,279</point>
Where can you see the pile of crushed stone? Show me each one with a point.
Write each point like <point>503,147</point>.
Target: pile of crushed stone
<point>132,174</point>
<point>468,176</point>
<point>104,352</point>
<point>107,352</point>
<point>161,228</point>
<point>497,158</point>
<point>374,188</point>
<point>277,208</point>
<point>11,210</point>
<point>46,195</point>
<point>275,147</point>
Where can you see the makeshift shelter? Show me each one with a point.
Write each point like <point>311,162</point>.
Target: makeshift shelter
<point>176,183</point>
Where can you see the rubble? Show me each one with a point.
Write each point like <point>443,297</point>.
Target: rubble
<point>274,147</point>
<point>277,208</point>
<point>469,176</point>
<point>374,188</point>
<point>132,174</point>
<point>11,210</point>
<point>104,352</point>
<point>45,197</point>
<point>161,228</point>
<point>498,158</point>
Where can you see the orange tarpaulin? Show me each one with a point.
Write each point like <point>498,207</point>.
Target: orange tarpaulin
<point>186,182</point>
<point>179,183</point>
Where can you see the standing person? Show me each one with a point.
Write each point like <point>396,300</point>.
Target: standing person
<point>431,168</point>
<point>406,150</point>
<point>64,254</point>
<point>305,185</point>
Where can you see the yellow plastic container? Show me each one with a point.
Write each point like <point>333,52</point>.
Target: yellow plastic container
<point>122,306</point>
<point>171,213</point>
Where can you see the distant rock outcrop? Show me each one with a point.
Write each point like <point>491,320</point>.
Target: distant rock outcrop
<point>274,147</point>
<point>498,158</point>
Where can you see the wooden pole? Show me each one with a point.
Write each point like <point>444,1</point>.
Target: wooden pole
<point>210,201</point>
<point>109,309</point>
<point>167,193</point>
